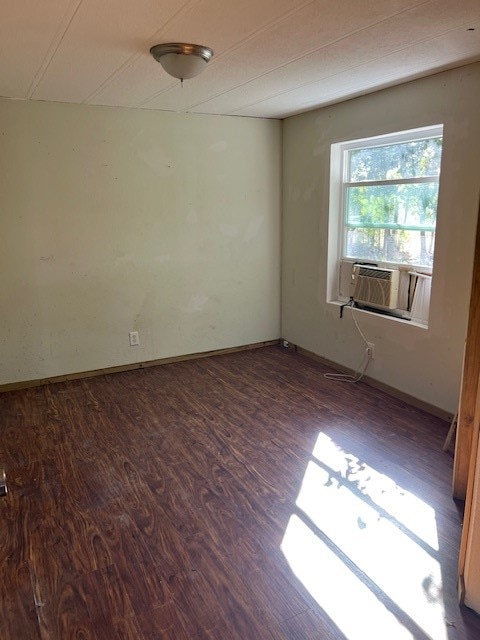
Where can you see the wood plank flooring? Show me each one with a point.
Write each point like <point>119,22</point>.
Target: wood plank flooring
<point>173,503</point>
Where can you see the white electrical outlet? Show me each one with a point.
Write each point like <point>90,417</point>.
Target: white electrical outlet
<point>134,338</point>
<point>371,350</point>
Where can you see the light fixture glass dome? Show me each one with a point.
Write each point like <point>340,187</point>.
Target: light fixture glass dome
<point>182,61</point>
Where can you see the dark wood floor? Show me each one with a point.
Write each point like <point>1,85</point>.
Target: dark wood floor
<point>171,503</point>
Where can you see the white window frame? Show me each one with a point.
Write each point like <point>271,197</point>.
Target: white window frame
<point>338,184</point>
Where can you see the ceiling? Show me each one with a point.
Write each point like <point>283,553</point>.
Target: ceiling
<point>273,58</point>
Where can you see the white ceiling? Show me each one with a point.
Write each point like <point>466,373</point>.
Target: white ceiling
<point>273,58</point>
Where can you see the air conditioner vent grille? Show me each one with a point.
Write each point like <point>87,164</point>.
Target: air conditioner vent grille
<point>376,273</point>
<point>375,287</point>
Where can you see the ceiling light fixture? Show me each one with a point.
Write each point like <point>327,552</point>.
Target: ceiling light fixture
<point>182,61</point>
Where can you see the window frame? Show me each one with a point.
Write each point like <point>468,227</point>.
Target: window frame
<point>343,148</point>
<point>336,212</point>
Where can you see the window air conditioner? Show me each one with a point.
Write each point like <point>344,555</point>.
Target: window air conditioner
<point>375,287</point>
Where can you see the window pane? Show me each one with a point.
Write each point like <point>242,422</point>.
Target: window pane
<point>419,158</point>
<point>391,245</point>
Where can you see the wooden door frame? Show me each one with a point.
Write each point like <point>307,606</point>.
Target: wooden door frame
<point>469,517</point>
<point>467,426</point>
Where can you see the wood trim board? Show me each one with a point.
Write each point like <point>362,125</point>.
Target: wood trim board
<point>471,512</point>
<point>415,402</point>
<point>13,386</point>
<point>391,391</point>
<point>467,430</point>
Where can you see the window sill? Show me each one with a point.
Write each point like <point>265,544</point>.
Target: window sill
<point>404,321</point>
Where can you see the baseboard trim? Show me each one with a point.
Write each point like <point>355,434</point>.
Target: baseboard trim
<point>15,386</point>
<point>415,402</point>
<point>391,391</point>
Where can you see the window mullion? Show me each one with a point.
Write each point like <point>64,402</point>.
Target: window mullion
<point>399,181</point>
<point>392,225</point>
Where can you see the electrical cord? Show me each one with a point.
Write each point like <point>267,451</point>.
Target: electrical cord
<point>358,328</point>
<point>358,375</point>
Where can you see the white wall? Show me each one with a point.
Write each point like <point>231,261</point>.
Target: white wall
<point>423,363</point>
<point>115,220</point>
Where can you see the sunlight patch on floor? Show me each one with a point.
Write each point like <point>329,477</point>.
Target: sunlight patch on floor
<point>386,532</point>
<point>415,514</point>
<point>349,603</point>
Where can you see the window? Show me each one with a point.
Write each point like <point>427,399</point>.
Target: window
<point>383,212</point>
<point>389,197</point>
